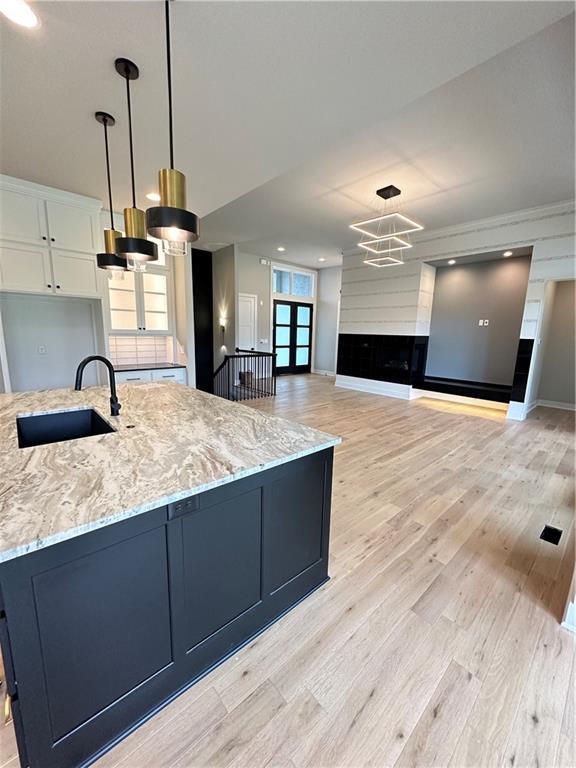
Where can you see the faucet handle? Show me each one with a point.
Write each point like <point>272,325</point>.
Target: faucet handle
<point>115,406</point>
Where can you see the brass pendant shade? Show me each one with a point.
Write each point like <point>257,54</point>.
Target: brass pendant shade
<point>134,247</point>
<point>109,259</point>
<point>170,220</point>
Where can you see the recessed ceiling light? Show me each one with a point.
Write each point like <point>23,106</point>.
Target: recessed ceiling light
<point>19,12</point>
<point>506,254</point>
<point>321,258</point>
<point>154,196</point>
<point>452,261</point>
<point>281,249</point>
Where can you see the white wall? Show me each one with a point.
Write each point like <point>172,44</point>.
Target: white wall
<point>327,310</point>
<point>46,337</point>
<point>224,301</point>
<point>255,278</point>
<point>558,349</point>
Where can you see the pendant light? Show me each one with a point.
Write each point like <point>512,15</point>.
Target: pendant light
<point>134,247</point>
<point>109,260</point>
<point>385,233</point>
<point>170,220</point>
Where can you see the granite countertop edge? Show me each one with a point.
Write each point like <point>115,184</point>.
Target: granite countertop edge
<point>71,533</point>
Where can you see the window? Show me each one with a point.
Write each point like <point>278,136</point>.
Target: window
<point>302,284</point>
<point>292,282</point>
<point>281,281</point>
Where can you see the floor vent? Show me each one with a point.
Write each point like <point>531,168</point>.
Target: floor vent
<point>551,534</point>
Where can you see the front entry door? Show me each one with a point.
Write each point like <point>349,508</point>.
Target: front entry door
<point>292,337</point>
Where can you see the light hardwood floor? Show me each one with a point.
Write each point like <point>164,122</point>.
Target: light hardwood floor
<point>437,641</point>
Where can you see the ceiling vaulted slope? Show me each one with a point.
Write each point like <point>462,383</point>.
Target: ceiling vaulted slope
<point>496,139</point>
<point>260,88</point>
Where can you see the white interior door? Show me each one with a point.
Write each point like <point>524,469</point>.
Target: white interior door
<point>247,320</point>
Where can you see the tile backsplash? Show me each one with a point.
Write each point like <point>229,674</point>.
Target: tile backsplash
<point>138,350</point>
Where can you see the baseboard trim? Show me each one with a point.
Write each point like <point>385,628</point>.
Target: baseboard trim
<point>494,405</point>
<point>555,404</point>
<point>517,411</point>
<point>320,372</point>
<point>570,618</point>
<point>384,388</point>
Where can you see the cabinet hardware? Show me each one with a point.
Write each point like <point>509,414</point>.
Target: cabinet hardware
<point>52,240</point>
<point>134,378</point>
<point>57,286</point>
<point>44,237</point>
<point>49,285</point>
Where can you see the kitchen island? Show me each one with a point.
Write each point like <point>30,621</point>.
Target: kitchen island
<point>133,562</point>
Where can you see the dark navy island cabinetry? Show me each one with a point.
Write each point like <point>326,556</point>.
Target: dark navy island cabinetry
<point>101,630</point>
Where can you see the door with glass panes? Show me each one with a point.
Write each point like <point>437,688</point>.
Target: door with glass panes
<point>292,336</point>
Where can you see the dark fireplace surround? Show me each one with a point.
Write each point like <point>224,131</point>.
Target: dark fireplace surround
<point>402,360</point>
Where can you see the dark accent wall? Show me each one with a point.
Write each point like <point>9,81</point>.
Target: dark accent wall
<point>398,359</point>
<point>464,294</point>
<point>203,319</point>
<point>521,370</point>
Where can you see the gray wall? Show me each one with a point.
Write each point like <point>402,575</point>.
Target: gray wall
<point>65,327</point>
<point>327,303</point>
<point>559,363</point>
<point>224,301</point>
<point>253,277</point>
<point>463,294</point>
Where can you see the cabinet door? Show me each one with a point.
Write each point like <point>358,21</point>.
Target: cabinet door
<point>133,377</point>
<point>22,217</point>
<point>25,269</point>
<point>75,273</point>
<point>167,374</point>
<point>71,227</point>
<point>154,300</point>
<point>221,551</point>
<point>122,295</point>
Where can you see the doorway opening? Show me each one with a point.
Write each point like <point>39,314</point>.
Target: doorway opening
<point>292,336</point>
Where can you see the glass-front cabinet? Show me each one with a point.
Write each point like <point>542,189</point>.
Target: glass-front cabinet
<point>140,302</point>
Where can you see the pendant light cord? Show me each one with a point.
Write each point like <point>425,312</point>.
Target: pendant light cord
<point>169,69</point>
<point>131,143</point>
<point>108,174</point>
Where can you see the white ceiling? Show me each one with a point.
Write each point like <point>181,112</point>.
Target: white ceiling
<point>262,87</point>
<point>498,138</point>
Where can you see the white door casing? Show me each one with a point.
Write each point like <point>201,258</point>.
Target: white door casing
<point>247,321</point>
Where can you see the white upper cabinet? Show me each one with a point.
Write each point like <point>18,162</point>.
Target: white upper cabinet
<point>140,303</point>
<point>71,227</point>
<point>22,218</point>
<point>25,269</point>
<point>75,274</point>
<point>67,227</point>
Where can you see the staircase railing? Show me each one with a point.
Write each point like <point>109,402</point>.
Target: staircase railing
<point>246,375</point>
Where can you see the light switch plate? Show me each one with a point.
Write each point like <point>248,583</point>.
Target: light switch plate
<point>486,322</point>
<point>480,322</point>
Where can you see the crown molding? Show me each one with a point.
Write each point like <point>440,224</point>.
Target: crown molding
<point>12,184</point>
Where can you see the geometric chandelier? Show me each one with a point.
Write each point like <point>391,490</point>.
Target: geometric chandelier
<point>385,234</point>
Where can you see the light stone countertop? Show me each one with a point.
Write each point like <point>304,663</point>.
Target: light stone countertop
<point>183,442</point>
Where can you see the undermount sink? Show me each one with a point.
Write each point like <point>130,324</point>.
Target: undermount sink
<point>57,427</point>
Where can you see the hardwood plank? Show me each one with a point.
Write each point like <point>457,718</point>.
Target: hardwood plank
<point>434,738</point>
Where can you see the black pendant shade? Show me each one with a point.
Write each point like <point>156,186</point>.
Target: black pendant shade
<point>173,224</point>
<point>136,249</point>
<point>109,260</point>
<point>134,246</point>
<point>170,220</point>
